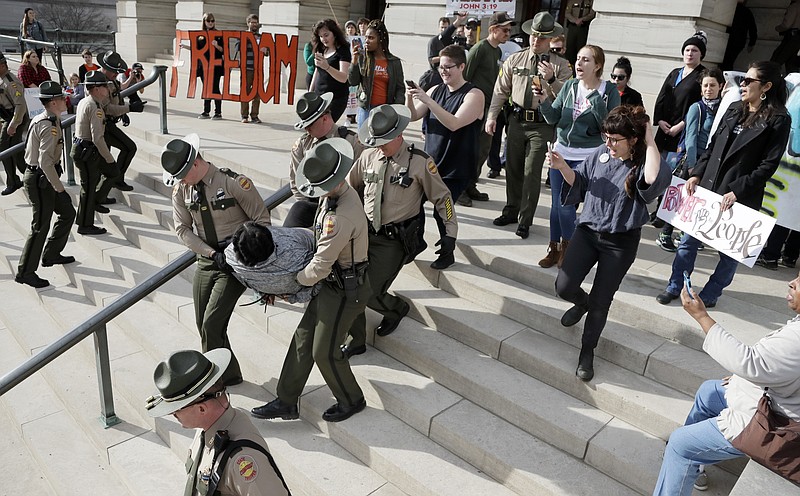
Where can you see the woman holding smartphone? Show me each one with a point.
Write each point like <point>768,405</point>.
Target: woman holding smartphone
<point>332,60</point>
<point>210,24</point>
<point>615,183</point>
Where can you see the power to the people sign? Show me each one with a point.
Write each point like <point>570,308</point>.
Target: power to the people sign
<point>739,232</point>
<point>482,8</point>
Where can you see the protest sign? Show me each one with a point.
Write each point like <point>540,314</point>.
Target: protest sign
<point>739,232</point>
<point>482,8</point>
<point>32,101</point>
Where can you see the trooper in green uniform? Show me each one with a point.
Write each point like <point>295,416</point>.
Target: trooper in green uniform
<point>393,177</point>
<point>208,206</point>
<point>228,456</point>
<point>14,115</point>
<point>45,190</point>
<point>340,260</point>
<point>313,110</point>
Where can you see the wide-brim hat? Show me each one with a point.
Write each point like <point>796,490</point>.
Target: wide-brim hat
<point>178,156</point>
<point>95,78</point>
<point>543,25</point>
<point>184,377</point>
<point>310,107</point>
<point>50,89</point>
<point>324,167</point>
<point>112,61</point>
<point>384,124</point>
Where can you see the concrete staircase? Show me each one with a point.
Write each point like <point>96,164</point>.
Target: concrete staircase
<point>475,393</point>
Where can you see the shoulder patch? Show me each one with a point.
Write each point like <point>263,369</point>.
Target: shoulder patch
<point>330,224</point>
<point>432,167</point>
<point>244,183</point>
<point>247,467</point>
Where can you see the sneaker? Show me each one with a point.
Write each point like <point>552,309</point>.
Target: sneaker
<point>701,484</point>
<point>245,120</point>
<point>255,120</point>
<point>767,264</point>
<point>664,241</point>
<point>204,115</point>
<point>789,262</point>
<point>217,117</point>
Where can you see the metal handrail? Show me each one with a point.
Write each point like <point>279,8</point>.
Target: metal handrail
<point>56,54</point>
<point>97,322</point>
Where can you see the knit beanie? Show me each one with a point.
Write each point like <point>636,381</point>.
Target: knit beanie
<point>699,39</point>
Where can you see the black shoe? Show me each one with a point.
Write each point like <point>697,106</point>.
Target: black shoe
<point>767,264</point>
<point>476,195</point>
<point>101,209</point>
<point>91,230</point>
<point>573,315</point>
<point>276,409</point>
<point>585,370</point>
<point>59,260</point>
<point>123,186</point>
<point>464,200</point>
<point>32,280</point>
<point>12,188</point>
<point>349,352</point>
<point>504,220</point>
<point>337,413</point>
<point>109,201</point>
<point>789,262</point>
<point>233,381</point>
<point>444,261</point>
<point>493,173</point>
<point>710,304</point>
<point>387,326</point>
<point>522,231</point>
<point>666,298</point>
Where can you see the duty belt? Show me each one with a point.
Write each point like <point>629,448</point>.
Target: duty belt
<point>525,115</point>
<point>388,230</point>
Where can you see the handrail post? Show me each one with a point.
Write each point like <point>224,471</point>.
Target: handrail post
<point>107,415</point>
<point>60,65</point>
<point>70,165</point>
<point>162,86</point>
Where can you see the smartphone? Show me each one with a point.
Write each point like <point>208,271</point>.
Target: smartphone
<point>687,284</point>
<point>536,83</point>
<point>545,57</point>
<point>411,84</point>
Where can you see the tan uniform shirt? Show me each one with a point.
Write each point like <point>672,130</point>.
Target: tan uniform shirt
<point>516,76</point>
<point>399,203</point>
<point>791,19</point>
<point>90,125</point>
<point>232,201</point>
<point>247,472</point>
<point>116,105</point>
<point>333,231</point>
<point>306,142</point>
<point>44,146</point>
<point>580,9</point>
<point>12,97</point>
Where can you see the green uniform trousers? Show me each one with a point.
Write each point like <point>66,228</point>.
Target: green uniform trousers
<point>44,202</point>
<point>215,295</point>
<point>16,162</point>
<point>116,137</point>
<point>318,339</point>
<point>386,259</point>
<point>92,191</point>
<point>525,153</point>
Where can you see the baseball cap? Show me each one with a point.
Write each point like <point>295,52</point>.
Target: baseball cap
<point>501,19</point>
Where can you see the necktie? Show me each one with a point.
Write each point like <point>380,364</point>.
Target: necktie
<point>376,206</point>
<point>205,215</point>
<point>528,100</point>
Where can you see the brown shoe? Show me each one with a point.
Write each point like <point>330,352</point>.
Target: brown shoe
<point>553,255</point>
<point>564,245</point>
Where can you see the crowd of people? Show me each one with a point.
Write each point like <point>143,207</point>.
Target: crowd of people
<point>357,218</point>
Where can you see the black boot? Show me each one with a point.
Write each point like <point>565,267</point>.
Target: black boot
<point>585,370</point>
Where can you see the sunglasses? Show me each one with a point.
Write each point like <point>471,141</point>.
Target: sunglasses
<point>747,81</point>
<point>618,77</point>
<point>557,49</point>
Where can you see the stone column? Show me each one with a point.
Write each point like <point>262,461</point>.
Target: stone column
<point>145,28</point>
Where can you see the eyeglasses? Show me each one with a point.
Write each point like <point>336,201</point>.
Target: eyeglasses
<point>746,81</point>
<point>611,141</point>
<point>446,68</point>
<point>619,77</point>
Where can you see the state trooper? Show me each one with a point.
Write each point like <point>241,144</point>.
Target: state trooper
<point>14,114</point>
<point>340,262</point>
<point>313,110</point>
<point>208,206</point>
<point>45,190</point>
<point>228,456</point>
<point>393,177</point>
<point>112,65</point>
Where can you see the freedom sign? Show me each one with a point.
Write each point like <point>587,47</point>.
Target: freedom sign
<point>739,232</point>
<point>482,8</point>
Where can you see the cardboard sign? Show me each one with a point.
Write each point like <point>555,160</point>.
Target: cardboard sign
<point>273,53</point>
<point>739,232</point>
<point>32,101</point>
<point>482,8</point>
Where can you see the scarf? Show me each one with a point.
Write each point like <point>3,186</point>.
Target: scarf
<point>712,105</point>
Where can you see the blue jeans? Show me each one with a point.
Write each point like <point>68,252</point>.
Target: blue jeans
<point>698,442</point>
<point>361,116</point>
<point>684,260</point>
<point>562,217</point>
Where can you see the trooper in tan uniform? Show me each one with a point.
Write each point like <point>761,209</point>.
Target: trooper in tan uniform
<point>579,15</point>
<point>45,190</point>
<point>340,260</point>
<point>315,118</point>
<point>14,114</point>
<point>228,456</point>
<point>393,178</point>
<point>524,73</point>
<point>208,206</point>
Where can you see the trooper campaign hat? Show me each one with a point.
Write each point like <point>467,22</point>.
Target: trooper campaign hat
<point>310,107</point>
<point>112,61</point>
<point>324,167</point>
<point>384,124</point>
<point>95,78</point>
<point>178,156</point>
<point>49,90</point>
<point>543,25</point>
<point>184,377</point>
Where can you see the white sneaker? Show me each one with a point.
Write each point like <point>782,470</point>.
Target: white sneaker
<point>701,484</point>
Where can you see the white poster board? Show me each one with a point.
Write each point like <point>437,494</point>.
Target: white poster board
<point>739,232</point>
<point>32,101</point>
<point>482,8</point>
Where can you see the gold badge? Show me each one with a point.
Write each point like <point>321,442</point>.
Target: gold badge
<point>244,183</point>
<point>432,168</point>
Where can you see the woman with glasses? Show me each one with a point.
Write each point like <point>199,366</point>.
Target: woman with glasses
<point>621,75</point>
<point>615,183</point>
<point>578,112</point>
<point>332,60</point>
<point>743,154</point>
<point>209,24</point>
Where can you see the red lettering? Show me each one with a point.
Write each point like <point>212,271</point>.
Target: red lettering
<point>229,64</point>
